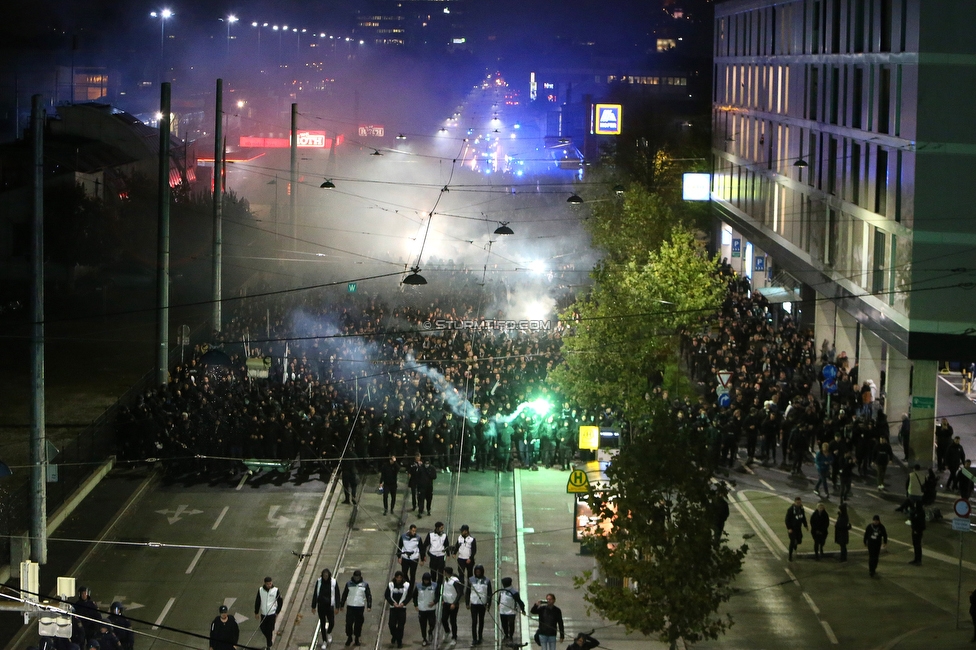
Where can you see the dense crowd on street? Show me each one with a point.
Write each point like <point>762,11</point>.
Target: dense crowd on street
<point>358,377</point>
<point>778,406</point>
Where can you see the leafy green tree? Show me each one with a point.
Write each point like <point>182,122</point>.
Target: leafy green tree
<point>662,572</point>
<point>626,328</point>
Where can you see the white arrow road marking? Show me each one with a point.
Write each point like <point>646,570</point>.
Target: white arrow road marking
<point>127,606</point>
<point>162,615</point>
<point>178,513</point>
<point>280,521</point>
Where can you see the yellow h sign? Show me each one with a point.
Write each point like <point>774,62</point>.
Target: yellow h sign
<point>578,482</point>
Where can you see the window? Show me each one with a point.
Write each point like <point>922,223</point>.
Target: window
<point>814,96</point>
<point>833,233</point>
<point>886,25</point>
<point>665,44</point>
<point>878,262</point>
<point>881,183</point>
<point>858,25</point>
<point>884,99</point>
<point>855,173</point>
<point>857,96</point>
<point>834,93</point>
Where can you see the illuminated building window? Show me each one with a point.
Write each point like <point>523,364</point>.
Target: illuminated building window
<point>665,44</point>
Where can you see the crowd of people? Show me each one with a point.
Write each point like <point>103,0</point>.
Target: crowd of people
<point>359,378</point>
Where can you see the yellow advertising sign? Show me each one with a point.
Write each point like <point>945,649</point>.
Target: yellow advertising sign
<point>589,437</point>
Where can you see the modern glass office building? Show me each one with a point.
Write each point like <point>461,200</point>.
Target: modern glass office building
<point>844,149</point>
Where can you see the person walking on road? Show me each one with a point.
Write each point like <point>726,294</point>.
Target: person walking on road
<point>357,599</point>
<point>425,597</point>
<point>883,454</point>
<point>465,551</point>
<point>450,599</point>
<point>433,550</point>
<point>510,605</point>
<point>796,521</point>
<point>550,622</point>
<point>955,456</point>
<point>916,517</point>
<point>267,605</point>
<point>842,531</point>
<point>224,632</point>
<point>388,481</point>
<point>408,553</point>
<point>819,527</point>
<point>397,596</point>
<point>905,435</point>
<point>425,487</point>
<point>479,601</point>
<point>350,479</point>
<point>413,470</point>
<point>875,538</point>
<point>325,598</point>
<point>823,460</point>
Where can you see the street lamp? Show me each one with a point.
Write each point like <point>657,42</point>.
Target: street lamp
<point>231,19</point>
<point>163,15</point>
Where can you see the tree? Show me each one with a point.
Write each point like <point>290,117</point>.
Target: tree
<point>626,328</point>
<point>660,540</point>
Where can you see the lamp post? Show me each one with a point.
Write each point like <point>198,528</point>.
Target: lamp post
<point>163,15</point>
<point>231,19</point>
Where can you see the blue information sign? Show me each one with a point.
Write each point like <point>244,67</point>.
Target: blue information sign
<point>736,247</point>
<point>761,263</point>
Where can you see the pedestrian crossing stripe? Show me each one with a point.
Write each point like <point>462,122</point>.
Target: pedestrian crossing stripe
<point>578,483</point>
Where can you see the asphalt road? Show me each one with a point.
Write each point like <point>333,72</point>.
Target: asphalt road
<point>175,552</point>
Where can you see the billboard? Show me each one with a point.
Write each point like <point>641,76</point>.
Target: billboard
<point>606,119</point>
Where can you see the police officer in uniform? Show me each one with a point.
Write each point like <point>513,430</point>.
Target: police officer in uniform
<point>123,627</point>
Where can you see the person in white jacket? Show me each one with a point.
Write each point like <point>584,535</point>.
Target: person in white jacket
<point>325,598</point>
<point>267,605</point>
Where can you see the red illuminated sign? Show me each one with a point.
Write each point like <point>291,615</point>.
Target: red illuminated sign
<point>306,140</point>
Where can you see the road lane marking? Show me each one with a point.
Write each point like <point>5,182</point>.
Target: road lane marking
<point>243,481</point>
<point>813,605</point>
<point>159,621</point>
<point>755,527</point>
<point>520,531</point>
<point>767,485</point>
<point>220,517</point>
<point>762,523</point>
<point>830,632</point>
<point>792,577</point>
<point>193,564</point>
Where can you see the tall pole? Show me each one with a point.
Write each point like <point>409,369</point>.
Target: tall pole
<point>293,186</point>
<point>38,437</point>
<point>162,242</point>
<point>218,202</point>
